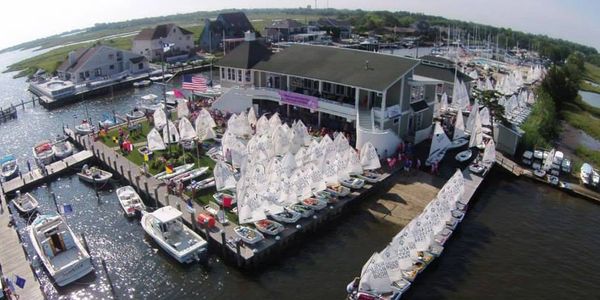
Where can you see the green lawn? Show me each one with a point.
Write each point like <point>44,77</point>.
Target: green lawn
<point>588,155</point>
<point>591,73</point>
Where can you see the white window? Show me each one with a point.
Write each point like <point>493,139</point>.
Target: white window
<point>239,77</point>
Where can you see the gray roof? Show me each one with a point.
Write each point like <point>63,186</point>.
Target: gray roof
<point>160,31</point>
<point>81,56</point>
<point>245,56</point>
<point>357,68</point>
<point>443,74</point>
<point>286,23</point>
<point>436,59</point>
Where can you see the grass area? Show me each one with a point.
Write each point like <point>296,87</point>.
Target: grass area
<point>541,125</point>
<point>585,86</point>
<point>588,155</point>
<point>591,73</point>
<point>583,120</point>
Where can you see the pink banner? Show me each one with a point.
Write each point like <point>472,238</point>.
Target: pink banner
<point>300,100</point>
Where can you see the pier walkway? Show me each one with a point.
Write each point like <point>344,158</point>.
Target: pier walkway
<point>13,258</point>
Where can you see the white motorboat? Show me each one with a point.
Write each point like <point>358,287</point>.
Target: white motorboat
<point>566,166</point>
<point>338,190</point>
<point>248,235</point>
<point>303,210</point>
<point>59,249</point>
<point>287,216</point>
<point>84,128</point>
<point>219,196</point>
<point>353,183</point>
<point>189,175</point>
<point>149,103</point>
<point>314,203</point>
<point>142,83</point>
<point>62,149</point>
<point>94,175</point>
<point>585,174</point>
<point>165,226</point>
<point>25,203</point>
<point>130,200</point>
<point>464,155</point>
<point>269,227</point>
<point>176,171</point>
<point>202,184</point>
<point>135,114</point>
<point>210,92</point>
<point>43,152</point>
<point>10,168</point>
<point>370,177</point>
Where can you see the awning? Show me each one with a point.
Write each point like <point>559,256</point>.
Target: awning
<point>419,106</point>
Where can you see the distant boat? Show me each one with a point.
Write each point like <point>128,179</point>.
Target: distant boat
<point>94,175</point>
<point>130,200</point>
<point>25,203</point>
<point>59,249</point>
<point>10,168</point>
<point>176,171</point>
<point>166,76</point>
<point>353,183</point>
<point>62,149</point>
<point>269,227</point>
<point>43,152</point>
<point>248,235</point>
<point>166,228</point>
<point>135,114</point>
<point>142,83</point>
<point>84,128</point>
<point>287,216</point>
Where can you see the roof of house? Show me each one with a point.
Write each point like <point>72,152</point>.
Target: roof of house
<point>436,59</point>
<point>439,73</point>
<point>333,22</point>
<point>286,23</point>
<point>357,68</point>
<point>160,31</point>
<point>246,55</point>
<point>237,20</point>
<point>136,59</point>
<point>81,56</point>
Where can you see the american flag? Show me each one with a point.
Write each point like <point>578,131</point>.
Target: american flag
<point>194,83</point>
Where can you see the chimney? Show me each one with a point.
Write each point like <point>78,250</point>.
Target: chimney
<point>249,36</point>
<point>72,58</point>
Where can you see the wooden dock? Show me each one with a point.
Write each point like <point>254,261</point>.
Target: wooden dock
<point>244,255</point>
<point>13,259</point>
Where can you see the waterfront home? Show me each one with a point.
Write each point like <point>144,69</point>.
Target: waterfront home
<point>149,42</point>
<point>339,88</point>
<point>227,31</point>
<point>442,70</point>
<point>101,62</point>
<point>283,30</point>
<point>340,29</point>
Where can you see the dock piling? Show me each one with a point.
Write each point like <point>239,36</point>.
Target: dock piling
<point>110,283</point>
<point>55,203</point>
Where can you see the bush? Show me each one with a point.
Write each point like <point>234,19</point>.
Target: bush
<point>157,164</point>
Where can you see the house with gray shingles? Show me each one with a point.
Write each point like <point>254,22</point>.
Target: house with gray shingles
<point>101,62</point>
<point>339,29</point>
<point>149,41</point>
<point>283,30</point>
<point>233,25</point>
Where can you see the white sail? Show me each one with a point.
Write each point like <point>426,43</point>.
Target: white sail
<point>262,125</point>
<point>252,116</point>
<point>476,138</point>
<point>439,145</point>
<point>155,141</point>
<point>301,183</point>
<point>224,179</point>
<point>444,102</point>
<point>274,122</point>
<point>352,160</point>
<point>288,164</point>
<point>281,140</point>
<point>484,114</point>
<point>369,159</point>
<point>315,175</point>
<point>375,278</point>
<point>459,127</point>
<point>471,118</point>
<point>186,130</point>
<point>489,154</point>
<point>206,118</point>
<point>182,108</point>
<point>171,135</point>
<point>160,119</point>
<point>340,142</point>
<point>474,74</point>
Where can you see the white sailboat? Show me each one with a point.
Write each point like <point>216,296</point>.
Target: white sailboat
<point>59,249</point>
<point>476,139</point>
<point>170,133</point>
<point>182,108</point>
<point>439,145</point>
<point>155,141</point>
<point>489,154</point>
<point>224,178</point>
<point>186,130</point>
<point>459,137</point>
<point>369,159</point>
<point>160,119</point>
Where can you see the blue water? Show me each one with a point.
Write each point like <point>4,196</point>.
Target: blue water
<point>590,98</point>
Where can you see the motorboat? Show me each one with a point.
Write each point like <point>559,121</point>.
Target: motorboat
<point>130,201</point>
<point>287,216</point>
<point>59,249</point>
<point>94,175</point>
<point>219,196</point>
<point>353,183</point>
<point>62,149</point>
<point>314,203</point>
<point>10,168</point>
<point>304,210</point>
<point>539,173</point>
<point>202,184</point>
<point>338,190</point>
<point>527,158</point>
<point>166,228</point>
<point>269,227</point>
<point>326,196</point>
<point>248,235</point>
<point>142,83</point>
<point>84,128</point>
<point>135,114</point>
<point>43,152</point>
<point>464,155</point>
<point>210,92</point>
<point>25,203</point>
<point>189,175</point>
<point>176,171</point>
<point>369,176</point>
<point>585,174</point>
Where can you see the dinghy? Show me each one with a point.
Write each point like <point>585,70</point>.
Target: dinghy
<point>338,190</point>
<point>287,216</point>
<point>130,200</point>
<point>193,174</point>
<point>370,177</point>
<point>10,168</point>
<point>304,210</point>
<point>326,196</point>
<point>219,196</point>
<point>314,203</point>
<point>477,168</point>
<point>25,203</point>
<point>94,175</point>
<point>59,249</point>
<point>135,114</point>
<point>353,183</point>
<point>84,128</point>
<point>539,173</point>
<point>269,227</point>
<point>202,184</point>
<point>585,173</point>
<point>464,155</point>
<point>43,152</point>
<point>166,228</point>
<point>553,180</point>
<point>459,138</point>
<point>176,171</point>
<point>149,103</point>
<point>248,235</point>
<point>62,149</point>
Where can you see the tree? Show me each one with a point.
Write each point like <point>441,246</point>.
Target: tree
<point>561,84</point>
<point>489,99</point>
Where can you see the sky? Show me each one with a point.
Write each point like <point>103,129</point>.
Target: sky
<point>574,20</point>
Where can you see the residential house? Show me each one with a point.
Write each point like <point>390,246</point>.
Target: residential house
<point>101,62</point>
<point>149,42</point>
<point>338,88</point>
<point>339,29</point>
<point>227,30</point>
<point>283,30</point>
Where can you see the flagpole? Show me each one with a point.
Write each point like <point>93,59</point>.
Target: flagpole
<point>165,99</point>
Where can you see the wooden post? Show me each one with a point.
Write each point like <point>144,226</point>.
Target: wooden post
<point>156,197</point>
<point>193,220</point>
<point>122,172</point>
<point>224,242</point>
<point>104,158</point>
<point>239,252</point>
<point>146,187</point>
<point>109,163</point>
<point>129,173</point>
<point>137,184</point>
<point>110,283</point>
<point>178,205</point>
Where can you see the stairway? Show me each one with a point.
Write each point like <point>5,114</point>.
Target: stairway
<point>365,120</point>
